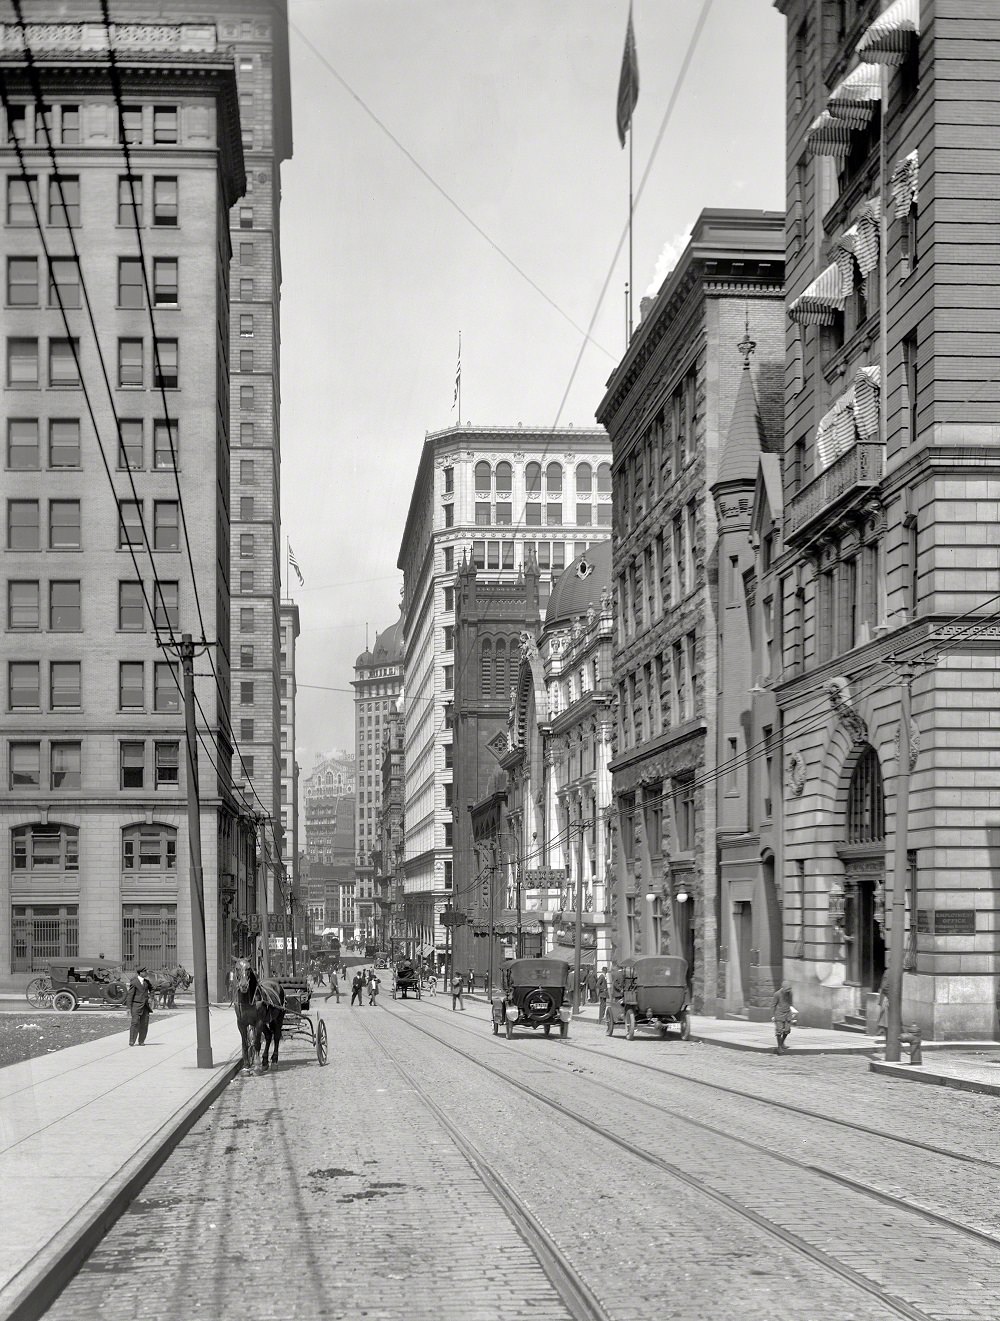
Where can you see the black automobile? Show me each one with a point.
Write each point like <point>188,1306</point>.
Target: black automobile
<point>532,994</point>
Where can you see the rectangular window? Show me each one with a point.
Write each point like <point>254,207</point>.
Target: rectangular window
<point>22,361</point>
<point>132,766</point>
<point>246,434</point>
<point>22,281</point>
<point>603,515</point>
<point>165,124</point>
<point>246,470</point>
<point>246,360</point>
<point>129,523</point>
<point>167,765</point>
<point>166,526</point>
<point>166,694</point>
<point>507,554</point>
<point>585,515</point>
<point>130,126</point>
<point>129,194</point>
<point>130,290</point>
<point>166,606</point>
<point>449,678</point>
<point>165,448</point>
<point>482,513</point>
<point>131,607</point>
<point>246,580</point>
<point>22,525</point>
<point>246,731</point>
<point>558,555</point>
<point>449,559</point>
<point>22,605</point>
<point>63,362</point>
<point>64,525</point>
<point>131,685</point>
<point>553,515</point>
<point>449,480</point>
<point>64,607</point>
<point>17,124</point>
<point>64,443</point>
<point>130,364</point>
<point>493,554</point>
<point>64,200</point>
<point>684,816</point>
<point>165,200</point>
<point>246,290</point>
<point>543,554</point>
<point>911,387</point>
<point>449,515</point>
<point>164,281</point>
<point>246,545</point>
<point>22,445</point>
<point>246,396</point>
<point>246,693</point>
<point>25,766</point>
<point>22,197</point>
<point>64,685</point>
<point>130,443</point>
<point>479,554</point>
<point>246,217</point>
<point>165,365</point>
<point>504,513</point>
<point>23,680</point>
<point>246,508</point>
<point>246,619</point>
<point>246,658</point>
<point>246,324</point>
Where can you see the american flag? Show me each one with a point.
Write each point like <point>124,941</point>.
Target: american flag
<point>293,563</point>
<point>458,372</point>
<point>628,83</point>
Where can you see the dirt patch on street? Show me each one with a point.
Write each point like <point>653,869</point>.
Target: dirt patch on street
<point>26,1034</point>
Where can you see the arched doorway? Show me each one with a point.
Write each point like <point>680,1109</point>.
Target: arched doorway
<point>863,856</point>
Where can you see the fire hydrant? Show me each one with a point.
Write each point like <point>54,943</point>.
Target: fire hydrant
<point>912,1041</point>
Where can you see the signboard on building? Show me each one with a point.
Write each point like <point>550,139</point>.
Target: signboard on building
<point>947,921</point>
<point>545,878</point>
<point>566,935</point>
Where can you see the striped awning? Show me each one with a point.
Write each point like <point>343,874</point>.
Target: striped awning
<point>891,36</point>
<point>867,388</point>
<point>836,432</point>
<point>853,99</point>
<point>843,253</point>
<point>866,246</point>
<point>904,184</point>
<point>819,304</point>
<point>827,136</point>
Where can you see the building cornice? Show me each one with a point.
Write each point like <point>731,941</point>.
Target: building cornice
<point>691,729</point>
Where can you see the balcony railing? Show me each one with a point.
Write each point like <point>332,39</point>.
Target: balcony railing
<point>848,477</point>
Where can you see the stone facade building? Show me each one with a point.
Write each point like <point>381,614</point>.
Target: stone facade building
<point>330,790</point>
<point>391,834</point>
<point>667,408</point>
<point>890,510</point>
<point>289,792</point>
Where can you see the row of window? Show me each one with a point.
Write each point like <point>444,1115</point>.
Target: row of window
<point>64,285</point>
<point>24,607</point>
<point>501,514</point>
<point>663,572</point>
<point>24,531</point>
<point>25,450</point>
<point>64,766</point>
<point>24,363</point>
<point>24,686</point>
<point>137,125</point>
<point>660,693</point>
<point>667,446</point>
<point>648,810</point>
<point>42,932</point>
<point>500,479</point>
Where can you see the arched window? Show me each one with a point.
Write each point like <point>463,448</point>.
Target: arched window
<point>553,479</point>
<point>865,801</point>
<point>484,478</point>
<point>48,847</point>
<point>604,479</point>
<point>503,479</point>
<point>533,478</point>
<point>584,480</point>
<point>149,848</point>
<point>500,672</point>
<point>486,668</point>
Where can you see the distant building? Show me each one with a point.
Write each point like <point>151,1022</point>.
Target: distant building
<point>494,495</point>
<point>667,408</point>
<point>391,846</point>
<point>329,804</point>
<point>289,793</point>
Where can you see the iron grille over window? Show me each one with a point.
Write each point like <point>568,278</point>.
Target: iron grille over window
<point>865,801</point>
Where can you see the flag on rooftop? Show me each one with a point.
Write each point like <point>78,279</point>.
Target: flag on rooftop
<point>295,565</point>
<point>628,83</point>
<point>458,372</point>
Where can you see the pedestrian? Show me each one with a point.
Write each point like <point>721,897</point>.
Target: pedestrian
<point>591,985</point>
<point>373,985</point>
<point>343,972</point>
<point>356,986</point>
<point>472,980</point>
<point>137,1002</point>
<point>571,987</point>
<point>602,995</point>
<point>457,987</point>
<point>334,988</point>
<point>882,1023</point>
<point>783,1015</point>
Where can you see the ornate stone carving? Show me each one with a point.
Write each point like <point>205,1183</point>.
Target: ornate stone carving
<point>839,692</point>
<point>914,745</point>
<point>797,773</point>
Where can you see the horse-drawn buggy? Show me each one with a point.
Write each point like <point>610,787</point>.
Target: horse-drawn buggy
<point>650,992</point>
<point>532,994</point>
<point>298,1021</point>
<point>405,978</point>
<point>267,1007</point>
<point>72,982</point>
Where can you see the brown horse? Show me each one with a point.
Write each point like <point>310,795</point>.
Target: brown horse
<point>166,982</point>
<point>260,1012</point>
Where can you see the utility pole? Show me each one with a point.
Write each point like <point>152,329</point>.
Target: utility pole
<point>199,956</point>
<point>492,872</point>
<point>265,934</point>
<point>578,935</point>
<point>291,922</point>
<point>897,931</point>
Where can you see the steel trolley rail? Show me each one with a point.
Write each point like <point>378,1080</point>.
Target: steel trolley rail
<point>298,1022</point>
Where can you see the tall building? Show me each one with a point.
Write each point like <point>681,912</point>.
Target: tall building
<point>494,495</point>
<point>667,408</point>
<point>888,574</point>
<point>378,681</point>
<point>94,852</point>
<point>391,834</point>
<point>289,794</point>
<point>330,789</point>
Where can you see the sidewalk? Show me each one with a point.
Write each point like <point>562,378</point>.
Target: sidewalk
<point>971,1071</point>
<point>81,1131</point>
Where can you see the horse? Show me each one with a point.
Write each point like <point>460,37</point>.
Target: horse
<point>165,983</point>
<point>260,1011</point>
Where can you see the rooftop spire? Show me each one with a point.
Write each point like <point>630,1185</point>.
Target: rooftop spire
<point>745,438</point>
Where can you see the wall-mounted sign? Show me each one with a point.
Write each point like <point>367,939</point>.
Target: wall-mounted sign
<point>566,935</point>
<point>541,878</point>
<point>947,921</point>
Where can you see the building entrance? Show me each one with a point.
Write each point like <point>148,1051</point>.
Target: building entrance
<point>743,923</point>
<point>866,948</point>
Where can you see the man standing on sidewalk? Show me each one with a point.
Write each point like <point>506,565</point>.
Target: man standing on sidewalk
<point>602,995</point>
<point>457,987</point>
<point>137,999</point>
<point>356,987</point>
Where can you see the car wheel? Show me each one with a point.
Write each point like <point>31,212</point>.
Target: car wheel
<point>609,1025</point>
<point>65,1001</point>
<point>630,1023</point>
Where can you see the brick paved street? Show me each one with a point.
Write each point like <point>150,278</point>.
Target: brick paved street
<point>340,1192</point>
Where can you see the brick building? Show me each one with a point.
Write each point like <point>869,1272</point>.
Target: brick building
<point>890,507</point>
<point>94,852</point>
<point>667,408</point>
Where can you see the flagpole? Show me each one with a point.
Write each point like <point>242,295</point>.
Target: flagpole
<point>459,381</point>
<point>630,285</point>
<point>288,569</point>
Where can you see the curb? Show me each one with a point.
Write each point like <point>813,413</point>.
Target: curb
<point>849,1051</point>
<point>911,1073</point>
<point>36,1287</point>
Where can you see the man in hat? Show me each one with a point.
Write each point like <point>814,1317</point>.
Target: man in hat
<point>137,1002</point>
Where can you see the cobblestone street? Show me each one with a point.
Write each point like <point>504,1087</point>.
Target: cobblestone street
<point>436,1171</point>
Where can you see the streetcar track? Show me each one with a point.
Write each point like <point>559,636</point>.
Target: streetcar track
<point>789,1237</point>
<point>866,1190</point>
<point>580,1302</point>
<point>900,1138</point>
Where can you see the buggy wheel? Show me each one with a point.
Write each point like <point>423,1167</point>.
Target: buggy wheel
<point>630,1023</point>
<point>38,992</point>
<point>563,1031</point>
<point>510,1028</point>
<point>64,1000</point>
<point>609,1024</point>
<point>685,1028</point>
<point>322,1052</point>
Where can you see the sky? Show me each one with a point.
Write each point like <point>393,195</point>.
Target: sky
<point>509,107</point>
